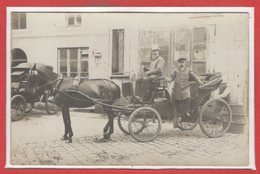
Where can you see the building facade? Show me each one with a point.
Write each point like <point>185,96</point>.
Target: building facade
<point>116,45</point>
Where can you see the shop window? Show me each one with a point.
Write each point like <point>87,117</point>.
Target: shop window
<point>146,40</point>
<point>118,52</point>
<point>74,19</point>
<point>18,20</point>
<point>182,45</point>
<point>199,50</point>
<point>73,61</point>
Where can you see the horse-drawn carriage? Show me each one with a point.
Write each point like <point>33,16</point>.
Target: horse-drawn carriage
<point>213,115</point>
<point>23,98</point>
<point>142,120</point>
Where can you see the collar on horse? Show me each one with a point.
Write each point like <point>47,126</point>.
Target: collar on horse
<point>56,88</point>
<point>76,82</point>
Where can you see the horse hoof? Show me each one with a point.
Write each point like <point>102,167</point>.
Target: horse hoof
<point>69,141</point>
<point>102,140</point>
<point>63,138</point>
<point>106,136</point>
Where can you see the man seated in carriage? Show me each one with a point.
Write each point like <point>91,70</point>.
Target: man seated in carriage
<point>181,90</point>
<point>154,71</point>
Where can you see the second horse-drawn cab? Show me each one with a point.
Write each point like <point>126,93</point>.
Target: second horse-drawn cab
<point>24,98</point>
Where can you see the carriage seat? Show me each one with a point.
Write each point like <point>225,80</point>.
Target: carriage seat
<point>160,83</point>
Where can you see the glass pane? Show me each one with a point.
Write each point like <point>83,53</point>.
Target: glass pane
<point>164,52</point>
<point>74,66</point>
<point>64,74</point>
<point>199,67</point>
<point>14,20</point>
<point>84,66</point>
<point>63,66</point>
<point>199,34</point>
<point>163,38</point>
<point>73,54</point>
<point>84,57</point>
<point>63,54</point>
<point>71,20</point>
<point>146,38</point>
<point>73,74</point>
<point>22,20</point>
<point>118,51</point>
<point>78,19</point>
<point>199,54</point>
<point>83,74</point>
<point>182,44</point>
<point>145,54</point>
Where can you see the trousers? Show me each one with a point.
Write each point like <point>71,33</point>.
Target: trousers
<point>183,106</point>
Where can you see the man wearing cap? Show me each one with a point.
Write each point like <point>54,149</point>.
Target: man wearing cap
<point>155,71</point>
<point>181,90</point>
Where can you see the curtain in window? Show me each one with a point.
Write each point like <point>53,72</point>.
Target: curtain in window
<point>118,52</point>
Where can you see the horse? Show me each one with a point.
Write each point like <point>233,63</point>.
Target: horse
<point>66,95</point>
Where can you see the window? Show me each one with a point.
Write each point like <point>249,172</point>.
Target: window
<point>146,39</point>
<point>182,46</point>
<point>73,61</point>
<point>18,20</point>
<point>118,52</point>
<point>73,19</point>
<point>199,50</point>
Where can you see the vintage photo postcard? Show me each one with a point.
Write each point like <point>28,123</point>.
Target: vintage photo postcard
<point>138,88</point>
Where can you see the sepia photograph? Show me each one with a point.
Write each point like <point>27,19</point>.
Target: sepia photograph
<point>148,88</point>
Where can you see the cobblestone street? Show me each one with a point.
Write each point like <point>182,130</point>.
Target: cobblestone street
<point>35,140</point>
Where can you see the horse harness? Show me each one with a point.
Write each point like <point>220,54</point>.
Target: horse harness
<point>59,81</point>
<point>105,94</point>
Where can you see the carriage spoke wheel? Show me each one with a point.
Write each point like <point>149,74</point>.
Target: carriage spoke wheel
<point>29,107</point>
<point>190,124</point>
<point>215,118</point>
<point>145,124</point>
<point>122,121</point>
<point>18,107</point>
<point>50,106</point>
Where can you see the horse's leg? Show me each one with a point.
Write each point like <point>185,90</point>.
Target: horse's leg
<point>65,136</point>
<point>107,126</point>
<point>66,116</point>
<point>110,125</point>
<point>69,128</point>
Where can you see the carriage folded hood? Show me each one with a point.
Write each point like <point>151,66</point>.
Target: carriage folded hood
<point>28,66</point>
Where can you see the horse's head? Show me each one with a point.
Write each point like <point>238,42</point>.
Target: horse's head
<point>42,77</point>
<point>33,79</point>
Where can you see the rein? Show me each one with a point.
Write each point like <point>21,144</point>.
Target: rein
<point>97,101</point>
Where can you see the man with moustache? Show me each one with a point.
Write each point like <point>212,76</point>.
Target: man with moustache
<point>181,90</point>
<point>155,70</point>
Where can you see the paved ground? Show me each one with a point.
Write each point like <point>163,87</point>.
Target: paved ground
<point>35,140</point>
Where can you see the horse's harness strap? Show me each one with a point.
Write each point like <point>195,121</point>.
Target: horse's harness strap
<point>60,79</point>
<point>76,82</point>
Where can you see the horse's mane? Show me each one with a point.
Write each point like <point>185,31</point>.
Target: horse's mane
<point>46,72</point>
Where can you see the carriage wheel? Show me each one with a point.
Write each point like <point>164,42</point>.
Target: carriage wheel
<point>29,107</point>
<point>188,125</point>
<point>50,106</point>
<point>145,124</point>
<point>18,107</point>
<point>122,121</point>
<point>215,118</point>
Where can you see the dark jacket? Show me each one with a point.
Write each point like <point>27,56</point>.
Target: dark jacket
<point>181,90</point>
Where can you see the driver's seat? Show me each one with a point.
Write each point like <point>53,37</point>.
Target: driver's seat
<point>159,86</point>
<point>160,83</point>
